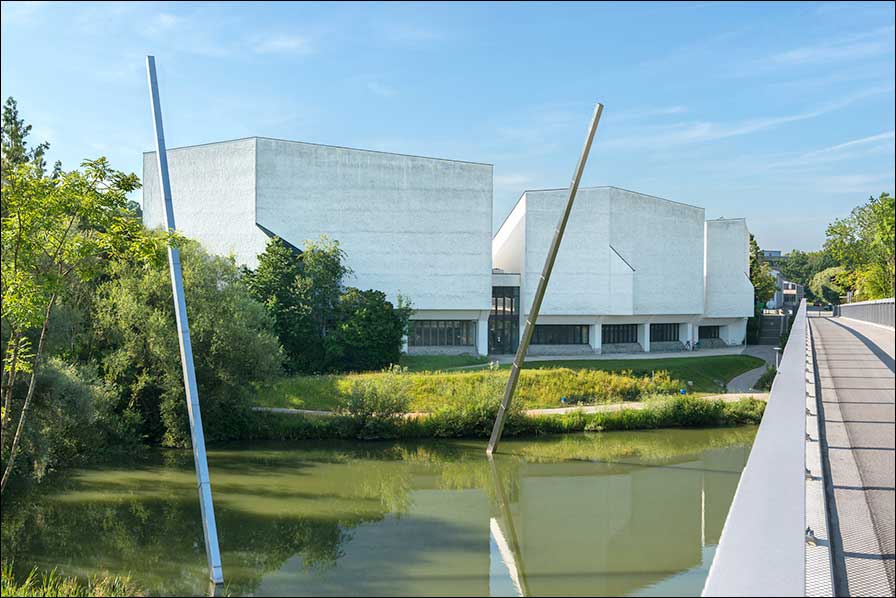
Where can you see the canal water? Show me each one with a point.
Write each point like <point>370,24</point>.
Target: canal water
<point>620,513</point>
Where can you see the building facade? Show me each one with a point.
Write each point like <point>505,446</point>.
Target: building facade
<point>634,272</point>
<point>411,226</point>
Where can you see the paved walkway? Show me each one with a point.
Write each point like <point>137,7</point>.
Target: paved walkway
<point>746,381</point>
<point>855,366</point>
<point>728,398</point>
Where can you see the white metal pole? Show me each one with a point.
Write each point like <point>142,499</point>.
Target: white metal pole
<point>209,528</point>
<point>542,285</point>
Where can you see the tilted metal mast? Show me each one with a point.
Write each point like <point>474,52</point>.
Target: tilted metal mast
<point>186,349</point>
<point>542,285</point>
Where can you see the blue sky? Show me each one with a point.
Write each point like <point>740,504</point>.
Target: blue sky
<point>781,113</point>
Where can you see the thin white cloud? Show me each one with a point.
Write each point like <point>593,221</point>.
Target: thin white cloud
<point>855,183</point>
<point>283,44</point>
<point>865,45</point>
<point>852,144</point>
<point>702,132</point>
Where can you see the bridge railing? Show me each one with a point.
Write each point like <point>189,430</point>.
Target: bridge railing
<point>762,550</point>
<point>881,311</point>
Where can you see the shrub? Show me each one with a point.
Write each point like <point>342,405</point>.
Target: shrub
<point>323,326</point>
<point>72,419</point>
<point>744,412</point>
<point>766,379</point>
<point>474,416</point>
<point>375,407</point>
<point>232,337</point>
<point>369,331</point>
<point>475,420</point>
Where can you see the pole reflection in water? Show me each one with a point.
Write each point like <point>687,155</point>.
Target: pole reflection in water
<point>503,538</point>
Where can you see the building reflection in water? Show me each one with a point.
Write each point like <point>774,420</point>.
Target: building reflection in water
<point>610,528</point>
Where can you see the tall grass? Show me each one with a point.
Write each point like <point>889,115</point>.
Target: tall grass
<point>474,419</point>
<point>53,584</point>
<point>431,391</point>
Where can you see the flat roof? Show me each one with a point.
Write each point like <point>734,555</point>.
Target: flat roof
<point>355,149</point>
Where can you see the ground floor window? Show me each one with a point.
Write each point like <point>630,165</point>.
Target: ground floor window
<point>612,334</point>
<point>441,333</point>
<point>708,332</point>
<point>661,333</point>
<point>560,334</point>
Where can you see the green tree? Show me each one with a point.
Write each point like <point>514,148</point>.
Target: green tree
<point>301,291</point>
<point>55,230</point>
<point>863,244</point>
<point>801,266</point>
<point>234,345</point>
<point>14,142</point>
<point>276,284</point>
<point>369,332</point>
<point>830,284</point>
<point>760,275</point>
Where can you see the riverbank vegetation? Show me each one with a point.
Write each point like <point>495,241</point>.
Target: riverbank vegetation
<point>371,414</point>
<point>52,584</point>
<point>543,384</point>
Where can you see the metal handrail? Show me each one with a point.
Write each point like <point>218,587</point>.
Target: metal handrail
<point>762,549</point>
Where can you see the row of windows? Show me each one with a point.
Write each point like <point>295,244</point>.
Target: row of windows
<point>708,332</point>
<point>663,333</point>
<point>554,334</point>
<point>612,334</point>
<point>441,333</point>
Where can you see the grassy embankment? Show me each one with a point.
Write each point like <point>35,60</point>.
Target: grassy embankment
<point>475,417</point>
<point>52,584</point>
<point>542,384</point>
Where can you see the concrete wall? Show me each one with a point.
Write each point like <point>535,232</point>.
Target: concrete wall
<point>212,190</point>
<point>418,226</point>
<point>729,292</point>
<point>623,253</point>
<point>508,246</point>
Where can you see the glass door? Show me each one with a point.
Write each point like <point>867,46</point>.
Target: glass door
<point>504,321</point>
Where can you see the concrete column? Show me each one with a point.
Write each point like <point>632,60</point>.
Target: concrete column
<point>644,336</point>
<point>482,334</point>
<point>594,335</point>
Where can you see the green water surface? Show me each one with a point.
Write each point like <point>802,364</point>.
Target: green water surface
<point>621,513</point>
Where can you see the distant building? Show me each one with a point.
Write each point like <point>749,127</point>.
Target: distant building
<point>773,257</point>
<point>793,295</point>
<point>634,272</point>
<point>787,294</point>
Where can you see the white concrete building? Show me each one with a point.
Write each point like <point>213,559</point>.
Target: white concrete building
<point>419,227</point>
<point>634,272</point>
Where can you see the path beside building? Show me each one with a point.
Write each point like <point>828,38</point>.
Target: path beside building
<point>746,381</point>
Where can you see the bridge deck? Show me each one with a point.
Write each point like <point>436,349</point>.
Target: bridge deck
<point>855,365</point>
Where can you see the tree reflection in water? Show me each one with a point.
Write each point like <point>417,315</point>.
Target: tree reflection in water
<point>611,513</point>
